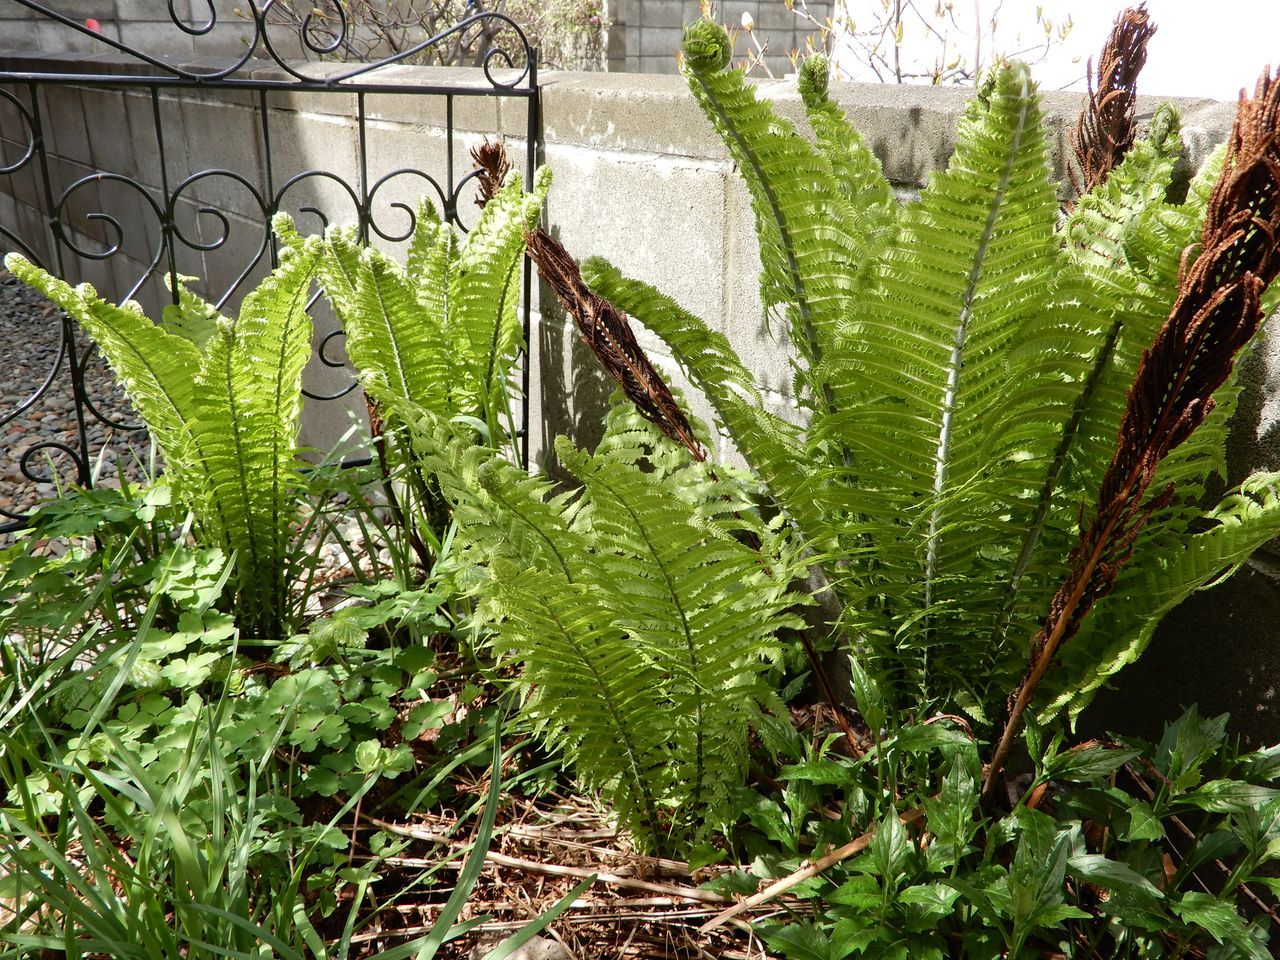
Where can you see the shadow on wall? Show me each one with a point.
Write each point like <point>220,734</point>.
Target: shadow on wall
<point>1218,649</point>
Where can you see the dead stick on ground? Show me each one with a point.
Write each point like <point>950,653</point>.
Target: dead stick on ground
<point>555,869</point>
<point>779,887</point>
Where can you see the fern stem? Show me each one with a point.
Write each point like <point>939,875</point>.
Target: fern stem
<point>490,415</point>
<point>957,349</point>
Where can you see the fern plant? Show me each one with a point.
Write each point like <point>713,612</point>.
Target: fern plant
<point>442,332</point>
<point>222,399</point>
<point>642,619</point>
<point>965,361</point>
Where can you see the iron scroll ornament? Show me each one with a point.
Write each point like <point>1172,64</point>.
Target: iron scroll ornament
<point>321,33</point>
<point>142,226</point>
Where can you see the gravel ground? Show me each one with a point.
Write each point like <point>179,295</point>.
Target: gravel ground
<point>30,341</point>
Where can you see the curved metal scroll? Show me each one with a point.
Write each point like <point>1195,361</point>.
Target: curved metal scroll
<point>505,54</point>
<point>127,230</point>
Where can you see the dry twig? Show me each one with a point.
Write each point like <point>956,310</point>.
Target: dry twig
<point>809,870</point>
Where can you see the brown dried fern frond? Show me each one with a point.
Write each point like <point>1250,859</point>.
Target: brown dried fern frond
<point>494,165</point>
<point>1104,132</point>
<point>607,331</point>
<point>1217,312</point>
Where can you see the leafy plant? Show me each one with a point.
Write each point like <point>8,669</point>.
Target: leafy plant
<point>641,619</point>
<point>1116,849</point>
<point>222,399</point>
<point>441,333</point>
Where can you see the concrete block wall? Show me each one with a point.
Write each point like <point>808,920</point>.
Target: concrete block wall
<point>644,35</point>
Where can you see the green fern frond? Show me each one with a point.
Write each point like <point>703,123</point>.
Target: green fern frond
<point>704,610</point>
<point>773,447</point>
<point>192,317</point>
<point>503,512</point>
<point>596,698</point>
<point>433,258</point>
<point>932,421</point>
<point>248,403</point>
<point>856,169</point>
<point>643,621</point>
<point>152,365</point>
<point>810,257</point>
<point>485,287</point>
<point>397,346</point>
<point>226,416</point>
<point>424,240</point>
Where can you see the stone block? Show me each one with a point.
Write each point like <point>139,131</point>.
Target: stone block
<point>624,112</point>
<point>146,135</point>
<point>657,219</point>
<point>475,113</point>
<point>19,35</point>
<point>314,164</point>
<point>764,350</point>
<point>656,14</point>
<point>773,15</point>
<point>110,147</point>
<point>223,145</point>
<point>157,38</point>
<point>660,42</point>
<point>413,162</point>
<point>239,253</point>
<point>62,122</point>
<point>659,65</point>
<point>571,392</point>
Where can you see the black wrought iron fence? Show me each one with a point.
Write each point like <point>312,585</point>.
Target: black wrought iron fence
<point>129,166</point>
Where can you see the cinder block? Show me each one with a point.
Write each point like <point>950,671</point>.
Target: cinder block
<point>773,15</point>
<point>764,349</point>
<point>477,113</point>
<point>18,35</point>
<point>659,65</point>
<point>661,13</point>
<point>147,133</point>
<point>62,122</point>
<point>110,147</point>
<point>314,165</point>
<point>657,219</point>
<point>223,143</point>
<point>157,38</point>
<point>660,42</point>
<point>231,270</point>
<point>625,112</point>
